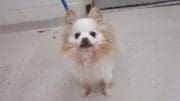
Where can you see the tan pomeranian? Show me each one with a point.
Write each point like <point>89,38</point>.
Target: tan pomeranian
<point>89,43</point>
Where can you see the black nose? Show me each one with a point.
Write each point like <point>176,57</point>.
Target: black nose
<point>85,43</point>
<point>85,40</point>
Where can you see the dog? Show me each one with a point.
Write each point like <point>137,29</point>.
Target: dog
<point>89,44</point>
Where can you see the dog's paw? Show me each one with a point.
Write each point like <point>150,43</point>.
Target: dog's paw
<point>85,92</point>
<point>106,91</point>
<point>105,88</point>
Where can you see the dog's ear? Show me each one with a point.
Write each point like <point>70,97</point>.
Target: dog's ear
<point>96,14</point>
<point>70,17</point>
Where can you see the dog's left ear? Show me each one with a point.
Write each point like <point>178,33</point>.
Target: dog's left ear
<point>96,14</point>
<point>70,17</point>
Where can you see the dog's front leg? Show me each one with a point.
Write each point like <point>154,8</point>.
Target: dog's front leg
<point>106,81</point>
<point>85,89</point>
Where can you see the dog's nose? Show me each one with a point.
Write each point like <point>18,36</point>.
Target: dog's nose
<point>85,43</point>
<point>85,40</point>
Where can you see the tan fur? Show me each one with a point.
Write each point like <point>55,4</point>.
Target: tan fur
<point>107,32</point>
<point>107,47</point>
<point>70,17</point>
<point>66,46</point>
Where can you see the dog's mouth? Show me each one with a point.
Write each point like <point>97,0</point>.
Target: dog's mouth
<point>86,45</point>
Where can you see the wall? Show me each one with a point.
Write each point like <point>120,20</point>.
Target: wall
<point>127,3</point>
<point>18,11</point>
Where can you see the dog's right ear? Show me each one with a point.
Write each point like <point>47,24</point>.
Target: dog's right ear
<point>70,17</point>
<point>96,14</point>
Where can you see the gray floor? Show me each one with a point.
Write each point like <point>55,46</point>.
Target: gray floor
<point>147,66</point>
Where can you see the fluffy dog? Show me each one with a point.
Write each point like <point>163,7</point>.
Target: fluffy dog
<point>89,43</point>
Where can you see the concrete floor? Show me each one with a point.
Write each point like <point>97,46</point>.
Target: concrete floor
<point>148,67</point>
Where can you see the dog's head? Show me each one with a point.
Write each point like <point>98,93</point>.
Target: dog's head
<point>86,33</point>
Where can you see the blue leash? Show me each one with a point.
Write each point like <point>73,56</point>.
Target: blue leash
<point>64,4</point>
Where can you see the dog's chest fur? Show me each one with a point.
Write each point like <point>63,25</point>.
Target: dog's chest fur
<point>85,57</point>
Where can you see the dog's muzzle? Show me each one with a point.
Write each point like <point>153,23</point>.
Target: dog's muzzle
<point>85,43</point>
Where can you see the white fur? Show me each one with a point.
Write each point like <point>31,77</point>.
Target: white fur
<point>89,44</point>
<point>84,26</point>
<point>88,72</point>
<point>93,73</point>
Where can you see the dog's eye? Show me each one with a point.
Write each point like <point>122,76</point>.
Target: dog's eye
<point>77,35</point>
<point>93,34</point>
